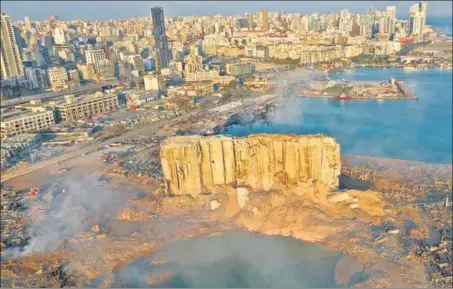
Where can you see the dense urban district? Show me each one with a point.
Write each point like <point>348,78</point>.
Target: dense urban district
<point>110,145</point>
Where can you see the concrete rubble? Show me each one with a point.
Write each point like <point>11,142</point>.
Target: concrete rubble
<point>241,178</point>
<point>195,164</point>
<point>12,221</point>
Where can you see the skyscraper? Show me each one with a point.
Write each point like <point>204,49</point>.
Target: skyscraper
<point>265,19</point>
<point>391,15</point>
<point>417,19</point>
<point>11,63</point>
<point>27,22</point>
<point>160,38</point>
<point>250,20</point>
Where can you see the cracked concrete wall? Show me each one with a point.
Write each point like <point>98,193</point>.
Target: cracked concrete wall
<point>195,164</point>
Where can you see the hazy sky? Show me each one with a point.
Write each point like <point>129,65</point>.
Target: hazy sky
<point>101,10</point>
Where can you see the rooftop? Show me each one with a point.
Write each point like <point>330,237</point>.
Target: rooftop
<point>48,95</point>
<point>72,99</point>
<point>16,114</point>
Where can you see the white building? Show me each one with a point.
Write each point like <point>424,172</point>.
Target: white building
<point>391,18</point>
<point>86,106</point>
<point>37,76</point>
<point>256,51</point>
<point>18,122</point>
<point>59,35</point>
<point>139,98</point>
<point>153,83</point>
<point>137,62</point>
<point>58,77</point>
<point>417,19</point>
<point>95,56</point>
<point>11,63</point>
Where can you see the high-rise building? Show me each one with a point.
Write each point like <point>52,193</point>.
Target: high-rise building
<point>74,76</point>
<point>417,19</point>
<point>21,44</point>
<point>137,62</point>
<point>58,77</point>
<point>124,69</point>
<point>37,76</point>
<point>391,16</point>
<point>160,38</point>
<point>250,21</point>
<point>11,63</point>
<point>94,56</point>
<point>106,70</point>
<point>193,63</point>
<point>265,19</point>
<point>59,35</point>
<point>27,22</point>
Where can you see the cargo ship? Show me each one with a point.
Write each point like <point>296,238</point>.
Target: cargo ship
<point>343,97</point>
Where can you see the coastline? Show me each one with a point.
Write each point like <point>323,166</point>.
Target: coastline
<point>359,98</point>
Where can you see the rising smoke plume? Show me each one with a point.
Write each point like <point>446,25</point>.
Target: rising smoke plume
<point>79,199</point>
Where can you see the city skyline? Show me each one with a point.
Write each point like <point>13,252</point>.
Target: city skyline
<point>97,10</point>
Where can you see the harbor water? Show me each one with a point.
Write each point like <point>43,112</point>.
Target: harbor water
<point>403,129</point>
<point>237,259</point>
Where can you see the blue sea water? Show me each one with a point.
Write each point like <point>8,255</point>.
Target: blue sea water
<point>443,25</point>
<point>403,129</point>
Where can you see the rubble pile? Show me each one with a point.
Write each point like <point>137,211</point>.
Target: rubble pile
<point>141,168</point>
<point>48,272</point>
<point>440,260</point>
<point>13,221</point>
<point>150,118</point>
<point>145,140</point>
<point>199,120</point>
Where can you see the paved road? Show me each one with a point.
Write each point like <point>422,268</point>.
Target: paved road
<point>54,94</point>
<point>77,151</point>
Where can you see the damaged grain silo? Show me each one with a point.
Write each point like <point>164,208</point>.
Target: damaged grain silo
<point>193,165</point>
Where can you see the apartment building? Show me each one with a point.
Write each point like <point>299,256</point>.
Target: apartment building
<point>199,88</point>
<point>240,68</point>
<point>18,122</point>
<point>11,62</point>
<point>212,76</point>
<point>86,106</point>
<point>257,51</point>
<point>94,56</point>
<point>37,76</point>
<point>155,83</point>
<point>58,77</point>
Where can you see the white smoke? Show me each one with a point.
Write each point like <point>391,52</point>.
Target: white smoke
<point>291,86</point>
<point>62,217</point>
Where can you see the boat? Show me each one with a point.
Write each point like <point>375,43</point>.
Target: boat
<point>343,97</point>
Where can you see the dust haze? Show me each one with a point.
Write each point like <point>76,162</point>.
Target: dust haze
<point>77,200</point>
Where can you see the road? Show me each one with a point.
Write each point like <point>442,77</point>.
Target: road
<point>54,94</point>
<point>78,151</point>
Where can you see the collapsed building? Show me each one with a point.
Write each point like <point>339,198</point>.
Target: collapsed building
<point>194,165</point>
